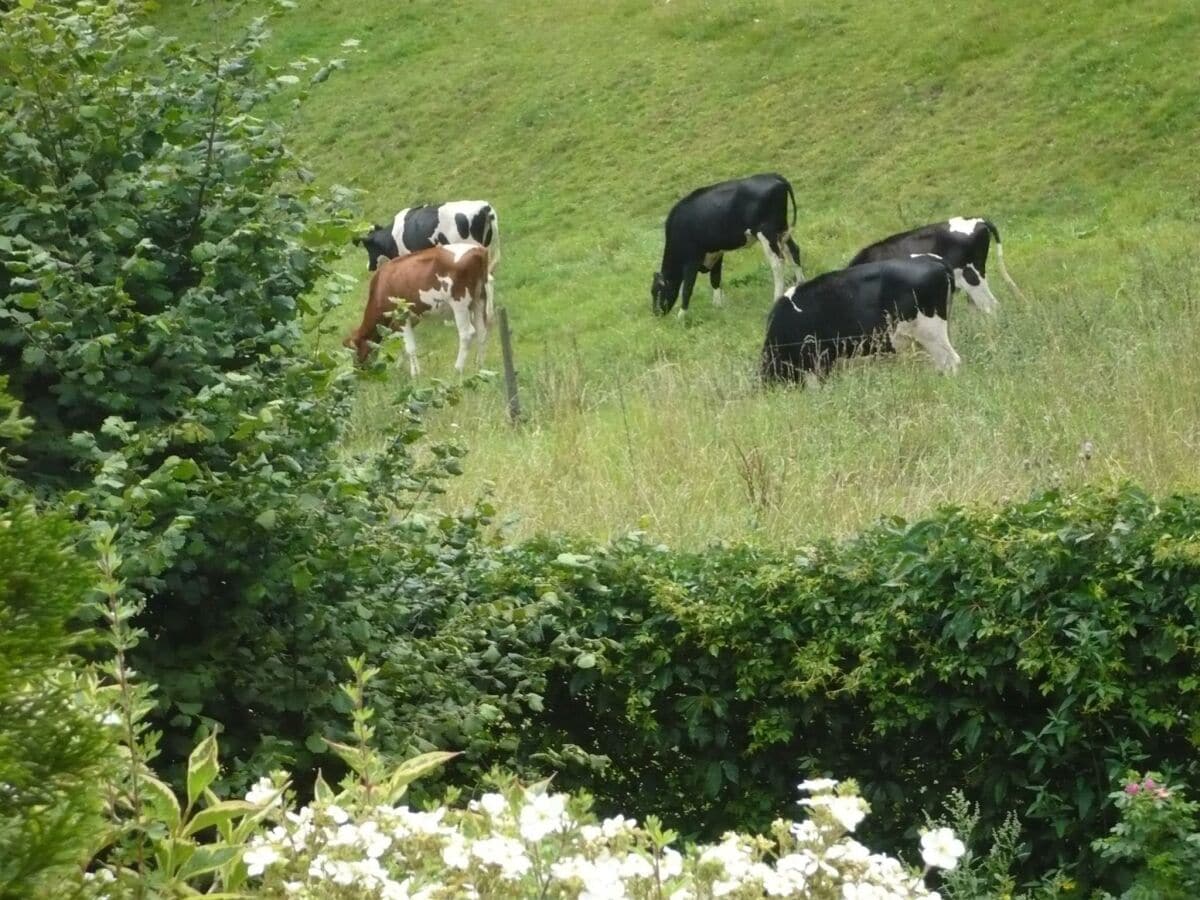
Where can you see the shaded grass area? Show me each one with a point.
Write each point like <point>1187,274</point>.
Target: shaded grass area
<point>1072,126</point>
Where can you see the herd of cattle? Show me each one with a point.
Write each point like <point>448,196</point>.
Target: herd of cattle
<point>892,294</point>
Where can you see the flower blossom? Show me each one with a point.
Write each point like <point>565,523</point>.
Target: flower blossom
<point>941,849</point>
<point>542,815</point>
<point>848,811</point>
<point>815,785</point>
<point>259,856</point>
<point>504,853</point>
<point>262,792</point>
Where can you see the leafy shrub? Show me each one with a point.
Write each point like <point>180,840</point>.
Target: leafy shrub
<point>1157,841</point>
<point>515,842</point>
<point>52,740</point>
<point>1027,655</point>
<point>158,245</point>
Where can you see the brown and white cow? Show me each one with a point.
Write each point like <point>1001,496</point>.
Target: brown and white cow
<point>450,276</point>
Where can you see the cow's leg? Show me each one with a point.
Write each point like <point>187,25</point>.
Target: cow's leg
<point>714,278</point>
<point>794,252</point>
<point>410,348</point>
<point>479,318</point>
<point>690,271</point>
<point>972,281</point>
<point>775,260</point>
<point>932,333</point>
<point>902,337</point>
<point>466,331</point>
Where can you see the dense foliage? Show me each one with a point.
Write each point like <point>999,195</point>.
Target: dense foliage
<point>52,742</point>
<point>158,244</point>
<point>1028,655</point>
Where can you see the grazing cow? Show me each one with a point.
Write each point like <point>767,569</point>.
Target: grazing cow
<point>963,243</point>
<point>873,308</point>
<point>713,220</point>
<point>421,227</point>
<point>453,276</point>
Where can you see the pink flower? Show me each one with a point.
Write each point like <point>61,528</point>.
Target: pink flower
<point>1149,784</point>
<point>1132,788</point>
<point>1162,793</point>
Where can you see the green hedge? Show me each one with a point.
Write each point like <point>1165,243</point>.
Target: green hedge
<point>1028,655</point>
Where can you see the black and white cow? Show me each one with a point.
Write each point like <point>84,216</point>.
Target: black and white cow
<point>713,220</point>
<point>962,243</point>
<point>876,307</point>
<point>421,227</point>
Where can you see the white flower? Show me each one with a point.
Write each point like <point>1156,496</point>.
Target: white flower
<point>339,815</point>
<point>601,877</point>
<point>615,825</point>
<point>504,852</point>
<point>732,856</point>
<point>455,854</point>
<point>670,863</point>
<point>805,832</point>
<point>848,811</point>
<point>813,785</point>
<point>262,792</point>
<point>495,805</point>
<point>941,849</point>
<point>412,822</point>
<point>542,815</point>
<point>636,866</point>
<point>111,718</point>
<point>258,857</point>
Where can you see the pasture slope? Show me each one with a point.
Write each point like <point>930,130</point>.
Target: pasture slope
<point>1073,126</point>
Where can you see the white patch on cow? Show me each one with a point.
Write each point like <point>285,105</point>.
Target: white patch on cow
<point>398,231</point>
<point>932,333</point>
<point>718,297</point>
<point>460,249</point>
<point>930,255</point>
<point>964,226</point>
<point>980,295</point>
<point>790,296</point>
<point>436,298</point>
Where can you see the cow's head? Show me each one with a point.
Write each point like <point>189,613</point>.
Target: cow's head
<point>378,242</point>
<point>356,342</point>
<point>662,295</point>
<point>971,281</point>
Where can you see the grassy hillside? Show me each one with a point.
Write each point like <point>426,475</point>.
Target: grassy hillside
<point>1073,126</point>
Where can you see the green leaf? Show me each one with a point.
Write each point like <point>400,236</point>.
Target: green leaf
<point>202,767</point>
<point>315,743</point>
<point>322,792</point>
<point>586,661</point>
<point>412,769</point>
<point>266,519</point>
<point>217,814</point>
<point>207,859</point>
<point>163,800</point>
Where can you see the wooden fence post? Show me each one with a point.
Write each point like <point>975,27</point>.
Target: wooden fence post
<point>510,372</point>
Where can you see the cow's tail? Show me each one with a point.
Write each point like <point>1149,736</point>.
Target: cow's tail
<point>795,212</point>
<point>1000,259</point>
<point>493,247</point>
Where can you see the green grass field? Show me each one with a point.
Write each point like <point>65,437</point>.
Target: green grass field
<point>1073,126</point>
